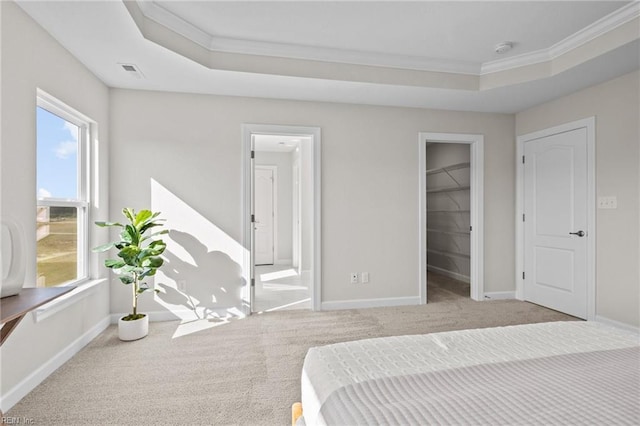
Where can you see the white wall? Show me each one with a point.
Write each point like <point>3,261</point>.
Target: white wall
<point>369,182</point>
<point>283,161</point>
<point>32,59</point>
<point>615,104</point>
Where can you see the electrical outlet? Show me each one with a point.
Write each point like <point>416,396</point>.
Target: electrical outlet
<point>608,202</point>
<point>354,278</point>
<point>182,286</point>
<point>364,277</point>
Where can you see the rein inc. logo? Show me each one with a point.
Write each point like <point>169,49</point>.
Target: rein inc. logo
<point>17,420</point>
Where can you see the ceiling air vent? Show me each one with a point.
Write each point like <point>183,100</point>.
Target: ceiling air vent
<point>132,70</point>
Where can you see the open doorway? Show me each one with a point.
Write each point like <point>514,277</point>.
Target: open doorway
<point>451,231</point>
<point>282,217</point>
<point>448,220</point>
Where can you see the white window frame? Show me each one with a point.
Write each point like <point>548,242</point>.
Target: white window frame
<point>58,108</point>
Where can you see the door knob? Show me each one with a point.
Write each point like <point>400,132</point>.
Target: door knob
<point>579,233</point>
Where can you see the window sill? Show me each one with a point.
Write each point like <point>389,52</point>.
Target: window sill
<point>83,290</point>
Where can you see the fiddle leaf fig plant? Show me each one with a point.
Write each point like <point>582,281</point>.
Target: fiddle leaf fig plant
<point>139,252</point>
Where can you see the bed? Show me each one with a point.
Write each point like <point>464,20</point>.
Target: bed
<point>550,373</point>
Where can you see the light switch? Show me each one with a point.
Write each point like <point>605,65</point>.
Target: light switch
<point>610,202</point>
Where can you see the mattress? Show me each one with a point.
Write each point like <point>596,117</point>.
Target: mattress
<point>461,377</point>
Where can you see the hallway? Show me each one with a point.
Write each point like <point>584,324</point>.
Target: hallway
<point>279,287</point>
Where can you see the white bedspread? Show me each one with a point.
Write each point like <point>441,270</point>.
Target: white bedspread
<point>329,368</point>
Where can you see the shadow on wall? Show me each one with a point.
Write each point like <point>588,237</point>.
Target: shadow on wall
<point>203,277</point>
<point>213,281</point>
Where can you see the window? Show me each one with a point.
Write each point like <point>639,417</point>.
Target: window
<point>62,198</point>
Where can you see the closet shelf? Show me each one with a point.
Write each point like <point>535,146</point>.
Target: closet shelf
<point>450,189</point>
<point>449,253</point>
<point>443,231</point>
<point>448,168</point>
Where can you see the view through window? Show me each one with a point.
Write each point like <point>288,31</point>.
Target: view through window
<point>61,198</point>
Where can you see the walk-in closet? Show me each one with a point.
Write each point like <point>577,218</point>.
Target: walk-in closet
<point>448,216</point>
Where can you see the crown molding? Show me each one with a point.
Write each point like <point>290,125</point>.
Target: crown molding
<point>345,56</point>
<point>155,12</point>
<point>162,16</point>
<point>591,32</point>
<point>597,29</point>
<point>514,62</point>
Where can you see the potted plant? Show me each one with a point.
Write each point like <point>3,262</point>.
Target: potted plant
<point>138,258</point>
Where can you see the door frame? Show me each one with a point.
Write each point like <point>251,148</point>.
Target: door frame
<point>314,135</point>
<point>274,199</point>
<point>296,232</point>
<point>590,125</point>
<point>476,217</point>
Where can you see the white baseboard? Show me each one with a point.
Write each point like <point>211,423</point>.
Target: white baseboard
<point>500,295</point>
<point>450,274</point>
<point>20,390</point>
<point>617,324</point>
<point>283,262</point>
<point>370,303</point>
<point>182,314</point>
<point>158,316</point>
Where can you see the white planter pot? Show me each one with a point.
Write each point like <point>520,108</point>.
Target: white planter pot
<point>133,330</point>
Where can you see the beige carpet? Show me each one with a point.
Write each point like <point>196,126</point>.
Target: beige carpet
<point>244,372</point>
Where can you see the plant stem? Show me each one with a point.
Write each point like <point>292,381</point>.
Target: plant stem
<point>135,293</point>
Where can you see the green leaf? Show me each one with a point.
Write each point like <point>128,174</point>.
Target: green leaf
<point>125,236</point>
<point>155,234</point>
<point>157,245</point>
<point>143,287</point>
<point>156,248</point>
<point>103,248</point>
<point>142,217</point>
<point>148,273</point>
<point>152,262</point>
<point>130,255</point>
<point>148,226</point>
<point>129,214</point>
<point>132,235</point>
<point>160,247</point>
<point>126,279</point>
<point>114,263</point>
<point>151,219</point>
<point>103,224</point>
<point>127,269</point>
<point>148,252</point>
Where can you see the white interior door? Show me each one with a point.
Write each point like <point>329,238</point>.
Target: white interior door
<point>263,199</point>
<point>555,222</point>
